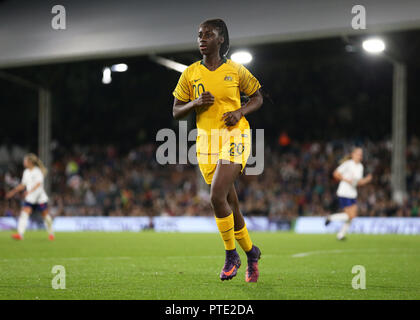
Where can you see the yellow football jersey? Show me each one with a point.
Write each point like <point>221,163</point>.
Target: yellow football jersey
<point>225,84</point>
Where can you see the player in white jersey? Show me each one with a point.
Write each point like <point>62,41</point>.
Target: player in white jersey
<point>35,196</point>
<point>350,175</point>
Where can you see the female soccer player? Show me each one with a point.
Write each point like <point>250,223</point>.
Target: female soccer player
<point>35,195</point>
<point>350,175</point>
<point>211,87</point>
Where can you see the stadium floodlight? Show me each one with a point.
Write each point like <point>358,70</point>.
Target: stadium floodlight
<point>399,119</point>
<point>106,76</point>
<point>121,67</point>
<point>242,57</point>
<point>374,45</point>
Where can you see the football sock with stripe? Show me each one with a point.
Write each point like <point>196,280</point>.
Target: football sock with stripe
<point>243,238</point>
<point>225,226</point>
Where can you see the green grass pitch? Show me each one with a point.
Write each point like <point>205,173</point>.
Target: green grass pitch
<point>150,265</point>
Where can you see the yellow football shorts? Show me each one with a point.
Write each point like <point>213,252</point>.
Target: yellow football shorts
<point>234,146</point>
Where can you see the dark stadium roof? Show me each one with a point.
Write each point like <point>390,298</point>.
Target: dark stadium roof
<point>98,29</point>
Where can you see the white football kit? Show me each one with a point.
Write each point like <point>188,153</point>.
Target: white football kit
<point>31,177</point>
<point>352,171</point>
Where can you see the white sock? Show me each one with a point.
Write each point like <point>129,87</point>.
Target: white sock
<point>342,216</point>
<point>48,223</point>
<point>344,229</point>
<point>22,222</point>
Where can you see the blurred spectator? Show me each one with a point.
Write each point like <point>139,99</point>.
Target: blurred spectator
<point>297,180</point>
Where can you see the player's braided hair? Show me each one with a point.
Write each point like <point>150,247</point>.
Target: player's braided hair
<point>222,29</point>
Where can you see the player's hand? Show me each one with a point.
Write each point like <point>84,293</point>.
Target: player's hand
<point>25,194</point>
<point>369,178</point>
<point>206,99</point>
<point>232,118</point>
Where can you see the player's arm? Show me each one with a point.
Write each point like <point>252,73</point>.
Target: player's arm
<point>255,102</point>
<point>183,101</point>
<point>365,180</point>
<point>181,108</point>
<point>337,175</point>
<point>249,85</point>
<point>33,189</point>
<point>15,190</point>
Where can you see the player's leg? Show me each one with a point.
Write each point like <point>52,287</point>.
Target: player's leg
<point>233,201</point>
<point>22,222</point>
<point>351,211</point>
<point>340,216</point>
<point>223,178</point>
<point>47,221</point>
<point>242,236</point>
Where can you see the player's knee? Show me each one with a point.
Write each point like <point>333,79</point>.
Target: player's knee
<point>352,216</point>
<point>353,212</point>
<point>217,198</point>
<point>27,210</point>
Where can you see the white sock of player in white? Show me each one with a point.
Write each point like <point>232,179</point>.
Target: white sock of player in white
<point>342,216</point>
<point>343,230</point>
<point>48,223</point>
<point>22,222</point>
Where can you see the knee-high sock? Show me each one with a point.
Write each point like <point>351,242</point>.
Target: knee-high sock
<point>242,236</point>
<point>225,226</point>
<point>22,222</point>
<point>48,223</point>
<point>342,216</point>
<point>344,229</point>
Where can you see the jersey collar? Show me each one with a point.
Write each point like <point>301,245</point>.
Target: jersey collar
<point>224,61</point>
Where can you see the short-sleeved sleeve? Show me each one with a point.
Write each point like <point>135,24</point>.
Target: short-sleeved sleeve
<point>24,178</point>
<point>248,84</point>
<point>182,89</point>
<point>38,176</point>
<point>342,168</point>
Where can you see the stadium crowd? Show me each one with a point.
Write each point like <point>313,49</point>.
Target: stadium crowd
<point>297,180</point>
